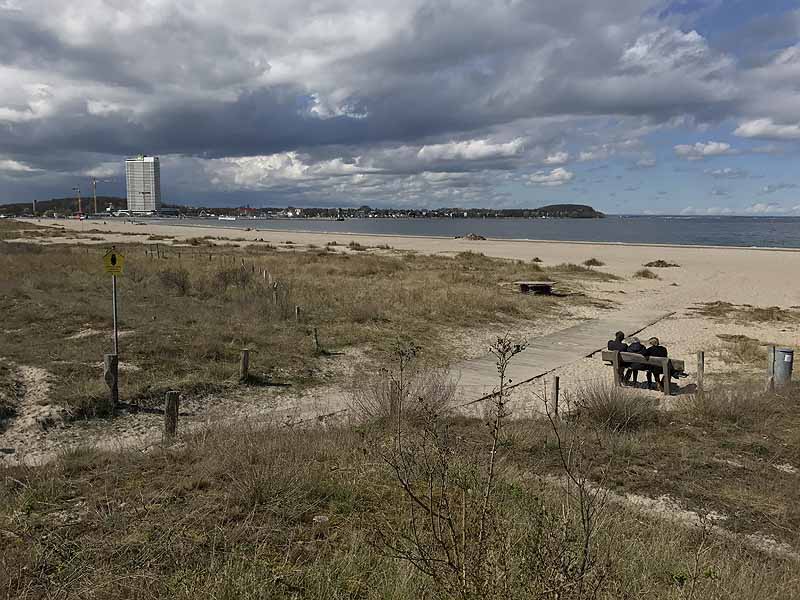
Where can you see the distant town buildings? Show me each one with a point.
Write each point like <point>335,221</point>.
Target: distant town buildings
<point>144,184</point>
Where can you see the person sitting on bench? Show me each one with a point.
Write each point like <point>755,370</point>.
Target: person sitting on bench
<point>633,371</point>
<point>620,346</point>
<point>617,343</point>
<point>655,350</point>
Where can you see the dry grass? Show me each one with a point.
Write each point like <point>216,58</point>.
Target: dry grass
<point>9,393</point>
<point>660,264</point>
<point>736,405</point>
<point>593,262</point>
<point>190,316</point>
<point>274,513</point>
<point>615,408</point>
<point>645,274</point>
<point>745,313</point>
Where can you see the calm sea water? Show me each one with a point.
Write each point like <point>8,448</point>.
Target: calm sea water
<point>781,232</point>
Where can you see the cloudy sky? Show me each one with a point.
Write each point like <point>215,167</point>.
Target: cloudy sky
<point>632,106</point>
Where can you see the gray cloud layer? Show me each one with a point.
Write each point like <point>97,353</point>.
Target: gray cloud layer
<point>373,99</point>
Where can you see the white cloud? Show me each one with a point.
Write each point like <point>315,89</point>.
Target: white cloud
<point>471,150</point>
<point>761,208</point>
<point>646,163</point>
<point>558,176</point>
<point>727,173</point>
<point>15,166</point>
<point>709,211</point>
<point>701,150</point>
<point>557,158</point>
<point>777,187</point>
<point>768,129</point>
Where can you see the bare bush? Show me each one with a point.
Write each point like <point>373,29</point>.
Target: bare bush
<point>593,262</point>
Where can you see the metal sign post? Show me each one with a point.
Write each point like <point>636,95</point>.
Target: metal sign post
<point>113,262</point>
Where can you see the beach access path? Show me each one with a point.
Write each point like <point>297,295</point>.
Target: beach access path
<point>478,378</point>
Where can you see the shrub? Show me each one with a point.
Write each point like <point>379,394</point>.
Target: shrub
<point>356,246</point>
<point>176,279</point>
<point>661,264</point>
<point>536,259</point>
<point>593,262</point>
<point>645,274</point>
<point>615,408</point>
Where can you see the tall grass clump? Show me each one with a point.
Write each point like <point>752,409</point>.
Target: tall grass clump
<point>615,408</point>
<point>178,280</point>
<point>593,262</point>
<point>737,406</point>
<point>645,274</point>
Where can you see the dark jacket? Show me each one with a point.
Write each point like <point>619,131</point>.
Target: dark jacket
<point>658,351</point>
<point>619,346</point>
<point>637,348</point>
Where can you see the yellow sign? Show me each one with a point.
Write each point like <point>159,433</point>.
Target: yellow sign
<point>113,262</point>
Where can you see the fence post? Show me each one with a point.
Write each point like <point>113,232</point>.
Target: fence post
<point>111,376</point>
<point>615,362</point>
<point>244,365</point>
<point>555,397</point>
<point>297,314</point>
<point>171,402</point>
<point>666,377</point>
<point>701,369</point>
<point>770,368</point>
<point>275,293</point>
<point>394,400</point>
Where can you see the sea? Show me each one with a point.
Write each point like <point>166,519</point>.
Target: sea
<point>767,232</point>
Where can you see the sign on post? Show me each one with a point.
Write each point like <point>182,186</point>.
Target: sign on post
<point>113,262</point>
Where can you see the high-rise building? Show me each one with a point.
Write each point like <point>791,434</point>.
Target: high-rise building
<point>144,183</point>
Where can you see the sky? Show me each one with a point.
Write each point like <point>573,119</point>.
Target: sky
<point>630,106</point>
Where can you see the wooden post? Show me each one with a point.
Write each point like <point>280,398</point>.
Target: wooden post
<point>316,341</point>
<point>666,377</point>
<point>394,400</point>
<point>555,397</point>
<point>701,369</point>
<point>275,293</point>
<point>297,314</point>
<point>244,365</point>
<point>111,376</point>
<point>615,361</point>
<point>171,403</point>
<point>770,368</point>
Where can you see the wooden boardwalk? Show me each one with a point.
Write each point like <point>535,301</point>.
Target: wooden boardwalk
<point>477,378</point>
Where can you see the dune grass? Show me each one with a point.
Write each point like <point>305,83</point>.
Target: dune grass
<point>186,316</point>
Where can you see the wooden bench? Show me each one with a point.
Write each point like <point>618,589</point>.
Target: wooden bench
<point>620,360</point>
<point>535,287</point>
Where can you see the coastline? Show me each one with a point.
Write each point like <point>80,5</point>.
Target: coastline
<point>93,224</point>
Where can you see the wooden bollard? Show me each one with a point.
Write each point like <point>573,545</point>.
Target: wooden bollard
<point>701,369</point>
<point>394,400</point>
<point>555,397</point>
<point>171,403</point>
<point>111,376</point>
<point>297,314</point>
<point>244,365</point>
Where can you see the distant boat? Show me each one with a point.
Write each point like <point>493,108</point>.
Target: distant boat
<point>226,218</point>
<point>340,218</point>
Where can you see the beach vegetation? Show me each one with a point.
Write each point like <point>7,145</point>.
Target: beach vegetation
<point>645,274</point>
<point>593,262</point>
<point>660,264</point>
